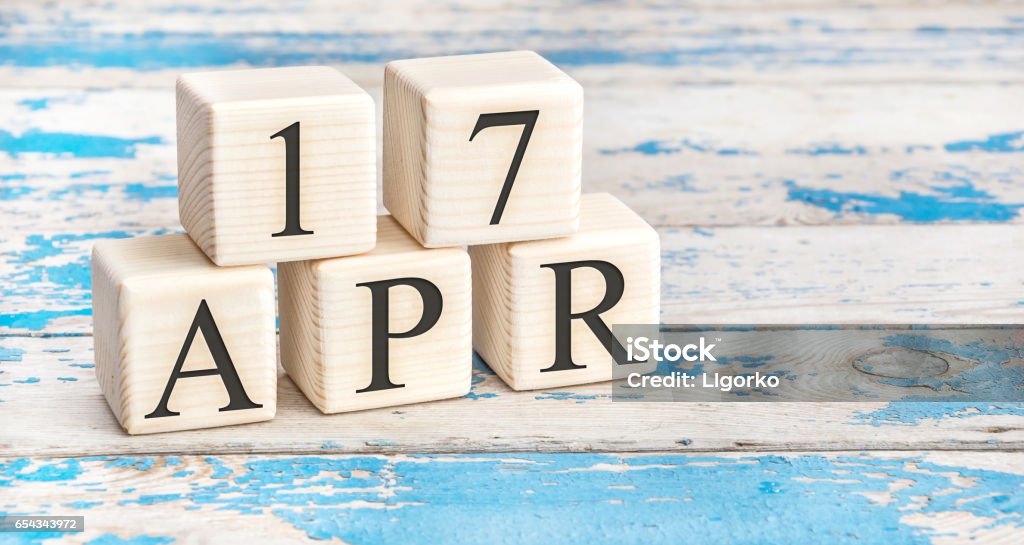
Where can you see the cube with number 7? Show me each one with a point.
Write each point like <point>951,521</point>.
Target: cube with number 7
<point>276,164</point>
<point>482,149</point>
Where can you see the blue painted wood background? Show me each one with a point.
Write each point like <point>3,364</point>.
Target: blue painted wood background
<point>806,161</point>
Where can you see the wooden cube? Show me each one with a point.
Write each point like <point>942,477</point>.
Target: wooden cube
<point>179,342</point>
<point>539,307</point>
<point>481,149</point>
<point>276,164</point>
<point>384,328</point>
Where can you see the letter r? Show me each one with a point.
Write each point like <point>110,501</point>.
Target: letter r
<point>615,286</point>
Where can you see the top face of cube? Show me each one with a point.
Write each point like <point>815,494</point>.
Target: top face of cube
<point>393,242</point>
<point>154,257</point>
<point>604,221</point>
<point>172,258</point>
<point>298,83</point>
<point>459,78</point>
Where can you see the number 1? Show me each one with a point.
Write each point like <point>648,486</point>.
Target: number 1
<point>290,134</point>
<point>527,119</point>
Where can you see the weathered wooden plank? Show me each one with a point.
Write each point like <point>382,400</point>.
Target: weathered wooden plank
<point>826,274</point>
<point>491,418</point>
<point>105,43</point>
<point>837,274</point>
<point>903,154</point>
<point>841,498</point>
<point>678,155</point>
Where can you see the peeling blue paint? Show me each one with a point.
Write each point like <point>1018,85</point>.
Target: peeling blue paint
<point>481,373</point>
<point>220,470</point>
<point>156,50</point>
<point>26,470</point>
<point>666,147</point>
<point>65,284</point>
<point>677,182</point>
<point>36,320</point>
<point>143,539</point>
<point>982,389</point>
<point>588,498</point>
<point>141,464</point>
<point>35,104</point>
<point>830,148</point>
<point>88,173</point>
<point>910,206</point>
<point>73,145</point>
<point>11,354</point>
<point>83,504</point>
<point>1008,142</point>
<point>41,246</point>
<point>14,193</point>
<point>146,193</point>
<point>913,413</point>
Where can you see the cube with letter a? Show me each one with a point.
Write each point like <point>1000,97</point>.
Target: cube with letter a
<point>543,311</point>
<point>481,149</point>
<point>388,327</point>
<point>276,164</point>
<point>179,342</point>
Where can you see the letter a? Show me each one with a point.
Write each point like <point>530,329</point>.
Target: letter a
<point>239,400</point>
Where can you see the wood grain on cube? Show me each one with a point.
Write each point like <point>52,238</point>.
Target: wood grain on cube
<point>444,186</point>
<point>147,292</point>
<point>232,170</point>
<point>514,295</point>
<point>326,326</point>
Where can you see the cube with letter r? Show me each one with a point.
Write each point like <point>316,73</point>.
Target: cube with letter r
<point>482,149</point>
<point>543,310</point>
<point>179,342</point>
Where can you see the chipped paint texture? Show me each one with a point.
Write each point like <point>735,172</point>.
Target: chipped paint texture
<point>569,498</point>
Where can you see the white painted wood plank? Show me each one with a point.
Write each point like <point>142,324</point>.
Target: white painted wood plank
<point>693,155</point>
<point>881,497</point>
<point>911,274</point>
<point>824,274</point>
<point>131,43</point>
<point>491,418</point>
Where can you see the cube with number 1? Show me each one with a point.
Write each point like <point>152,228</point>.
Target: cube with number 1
<point>276,164</point>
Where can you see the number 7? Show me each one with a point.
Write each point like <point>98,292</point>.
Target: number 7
<point>527,119</point>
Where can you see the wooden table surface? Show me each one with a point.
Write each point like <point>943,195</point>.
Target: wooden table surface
<point>806,161</point>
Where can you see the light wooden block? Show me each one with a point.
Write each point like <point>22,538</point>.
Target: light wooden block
<point>514,295</point>
<point>452,130</point>
<point>236,142</point>
<point>147,294</point>
<point>327,327</point>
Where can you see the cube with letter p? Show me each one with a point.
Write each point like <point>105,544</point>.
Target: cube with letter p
<point>388,327</point>
<point>482,149</point>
